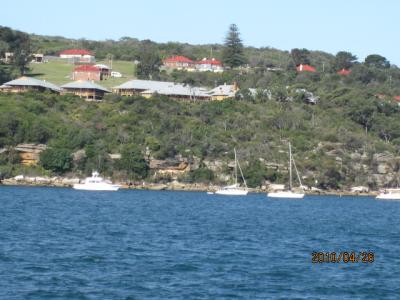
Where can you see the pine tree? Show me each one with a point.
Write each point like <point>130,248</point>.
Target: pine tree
<point>233,55</point>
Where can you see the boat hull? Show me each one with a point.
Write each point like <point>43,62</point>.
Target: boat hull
<point>232,192</point>
<point>285,195</point>
<point>388,197</point>
<point>86,187</point>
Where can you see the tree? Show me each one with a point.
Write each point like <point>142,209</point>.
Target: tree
<point>344,60</point>
<point>149,63</point>
<point>300,56</point>
<point>133,162</point>
<point>232,54</point>
<point>56,160</point>
<point>377,61</point>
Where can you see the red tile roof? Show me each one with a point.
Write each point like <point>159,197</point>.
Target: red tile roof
<point>344,72</point>
<point>76,52</point>
<point>305,68</point>
<point>181,59</point>
<point>397,98</point>
<point>211,61</point>
<point>86,68</point>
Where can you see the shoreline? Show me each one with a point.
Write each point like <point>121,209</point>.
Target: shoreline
<point>177,186</point>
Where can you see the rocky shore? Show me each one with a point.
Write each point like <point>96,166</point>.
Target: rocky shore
<point>171,186</point>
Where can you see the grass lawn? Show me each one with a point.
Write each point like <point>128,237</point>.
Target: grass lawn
<point>59,72</point>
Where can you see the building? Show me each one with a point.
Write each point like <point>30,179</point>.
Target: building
<point>38,57</point>
<point>224,91</point>
<point>87,72</point>
<point>305,68</point>
<point>148,88</point>
<point>179,91</point>
<point>24,84</point>
<point>105,71</point>
<point>344,72</point>
<point>179,63</point>
<point>78,56</point>
<point>85,89</point>
<point>211,65</point>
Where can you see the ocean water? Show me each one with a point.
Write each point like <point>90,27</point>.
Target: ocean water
<point>63,244</point>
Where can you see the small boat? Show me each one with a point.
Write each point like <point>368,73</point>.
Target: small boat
<point>96,183</point>
<point>234,189</point>
<point>210,193</point>
<point>289,194</point>
<point>389,194</point>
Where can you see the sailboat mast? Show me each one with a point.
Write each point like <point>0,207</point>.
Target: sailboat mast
<point>236,177</point>
<point>290,167</point>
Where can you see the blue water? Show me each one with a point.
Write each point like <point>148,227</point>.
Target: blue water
<point>65,244</point>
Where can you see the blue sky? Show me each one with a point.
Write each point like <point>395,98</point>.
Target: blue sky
<point>360,26</point>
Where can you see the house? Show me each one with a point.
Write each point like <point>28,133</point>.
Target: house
<point>105,71</point>
<point>211,65</point>
<point>86,72</point>
<point>24,84</point>
<point>344,72</point>
<point>397,98</point>
<point>77,56</point>
<point>179,91</point>
<point>305,68</point>
<point>148,88</point>
<point>224,91</point>
<point>179,63</point>
<point>85,89</point>
<point>38,57</point>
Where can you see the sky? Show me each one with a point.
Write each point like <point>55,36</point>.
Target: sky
<point>362,27</point>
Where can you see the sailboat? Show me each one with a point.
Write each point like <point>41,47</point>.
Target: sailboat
<point>234,189</point>
<point>289,193</point>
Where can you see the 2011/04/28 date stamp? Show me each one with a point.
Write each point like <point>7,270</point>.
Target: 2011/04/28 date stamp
<point>345,257</point>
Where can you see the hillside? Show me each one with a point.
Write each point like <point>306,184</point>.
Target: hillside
<point>351,136</point>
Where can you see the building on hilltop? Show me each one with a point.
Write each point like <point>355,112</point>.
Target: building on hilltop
<point>211,65</point>
<point>179,63</point>
<point>87,72</point>
<point>24,84</point>
<point>148,88</point>
<point>105,71</point>
<point>223,92</point>
<point>305,68</point>
<point>344,72</point>
<point>85,89</point>
<point>184,63</point>
<point>78,56</point>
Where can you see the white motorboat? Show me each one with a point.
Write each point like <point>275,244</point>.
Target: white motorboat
<point>389,194</point>
<point>96,183</point>
<point>289,194</point>
<point>234,189</point>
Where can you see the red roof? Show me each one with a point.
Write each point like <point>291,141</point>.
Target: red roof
<point>86,68</point>
<point>344,72</point>
<point>76,52</point>
<point>397,98</point>
<point>181,59</point>
<point>206,61</point>
<point>305,68</point>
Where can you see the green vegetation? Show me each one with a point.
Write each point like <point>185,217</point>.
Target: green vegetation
<point>355,116</point>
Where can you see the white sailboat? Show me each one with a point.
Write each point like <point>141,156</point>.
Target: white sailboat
<point>389,194</point>
<point>234,189</point>
<point>289,194</point>
<point>96,183</point>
